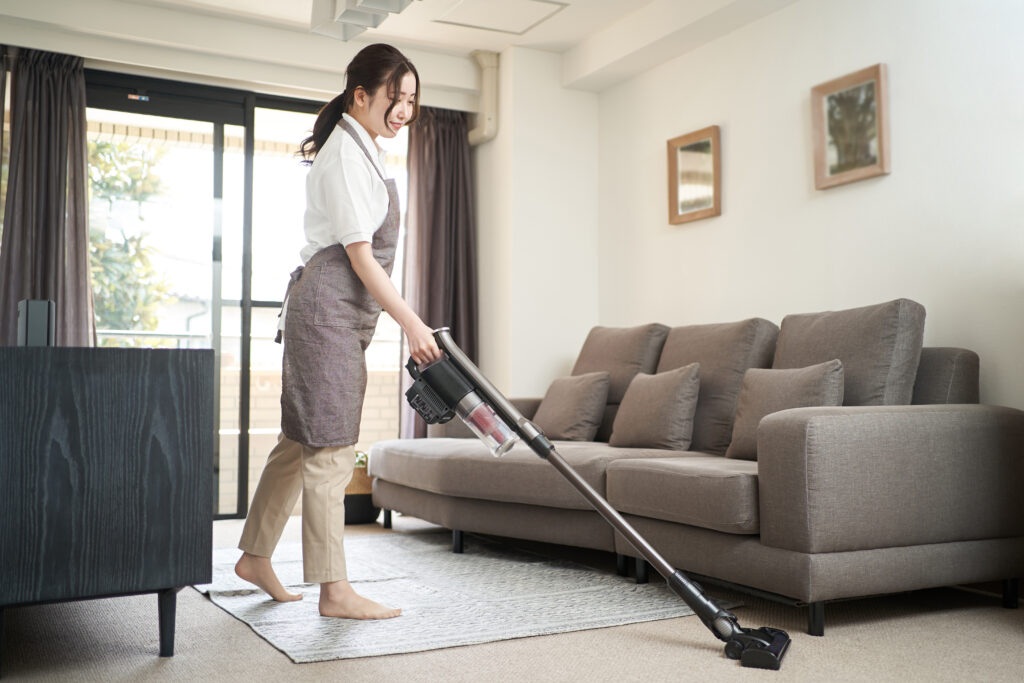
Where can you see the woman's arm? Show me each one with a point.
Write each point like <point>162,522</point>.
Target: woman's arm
<point>422,345</point>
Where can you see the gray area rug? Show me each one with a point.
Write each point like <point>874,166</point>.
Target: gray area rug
<point>491,592</point>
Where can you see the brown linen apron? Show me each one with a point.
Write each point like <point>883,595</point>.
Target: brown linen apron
<point>329,323</point>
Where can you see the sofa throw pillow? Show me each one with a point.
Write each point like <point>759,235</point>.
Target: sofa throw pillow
<point>572,408</point>
<point>657,410</point>
<point>880,347</point>
<point>769,391</point>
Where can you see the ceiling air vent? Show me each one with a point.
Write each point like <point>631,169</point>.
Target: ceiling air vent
<point>505,16</point>
<point>346,19</point>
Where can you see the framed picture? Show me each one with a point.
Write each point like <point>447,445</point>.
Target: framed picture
<point>694,176</point>
<point>850,118</point>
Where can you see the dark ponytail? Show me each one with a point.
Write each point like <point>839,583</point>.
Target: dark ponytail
<point>372,67</point>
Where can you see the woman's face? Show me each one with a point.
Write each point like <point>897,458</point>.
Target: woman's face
<point>373,108</point>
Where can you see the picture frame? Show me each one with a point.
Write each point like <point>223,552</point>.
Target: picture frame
<point>850,123</point>
<point>694,176</point>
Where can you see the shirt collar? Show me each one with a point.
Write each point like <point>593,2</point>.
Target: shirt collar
<point>367,141</point>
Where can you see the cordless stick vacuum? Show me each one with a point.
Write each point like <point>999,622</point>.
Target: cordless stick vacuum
<point>453,385</point>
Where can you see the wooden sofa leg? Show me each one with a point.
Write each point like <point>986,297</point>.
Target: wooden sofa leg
<point>456,541</point>
<point>387,519</point>
<point>1011,593</point>
<point>816,619</point>
<point>621,566</point>
<point>167,601</point>
<point>641,570</point>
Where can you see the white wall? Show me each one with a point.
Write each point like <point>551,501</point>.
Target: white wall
<point>537,225</point>
<point>945,228</point>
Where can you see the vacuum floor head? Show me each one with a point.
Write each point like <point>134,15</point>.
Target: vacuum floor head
<point>760,648</point>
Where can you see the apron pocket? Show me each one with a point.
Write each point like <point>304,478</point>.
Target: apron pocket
<point>342,299</point>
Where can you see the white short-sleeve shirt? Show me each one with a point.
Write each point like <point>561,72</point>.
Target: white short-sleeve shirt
<point>346,200</point>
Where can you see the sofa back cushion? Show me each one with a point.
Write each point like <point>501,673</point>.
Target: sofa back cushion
<point>880,347</point>
<point>946,375</point>
<point>621,352</point>
<point>725,352</point>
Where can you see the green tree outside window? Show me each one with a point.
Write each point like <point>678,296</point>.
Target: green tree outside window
<point>127,290</point>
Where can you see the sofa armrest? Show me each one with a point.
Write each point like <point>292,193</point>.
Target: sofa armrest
<point>854,478</point>
<point>456,428</point>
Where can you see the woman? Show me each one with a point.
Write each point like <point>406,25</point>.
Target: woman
<point>329,315</point>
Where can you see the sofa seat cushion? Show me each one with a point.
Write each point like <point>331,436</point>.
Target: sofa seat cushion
<point>707,491</point>
<point>466,469</point>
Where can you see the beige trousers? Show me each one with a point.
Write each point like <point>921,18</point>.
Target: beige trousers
<point>321,474</point>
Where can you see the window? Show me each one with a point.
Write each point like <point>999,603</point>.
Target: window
<point>150,228</point>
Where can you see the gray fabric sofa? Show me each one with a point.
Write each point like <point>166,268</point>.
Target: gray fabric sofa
<point>908,484</point>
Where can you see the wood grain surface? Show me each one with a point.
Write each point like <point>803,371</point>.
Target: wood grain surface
<point>106,471</point>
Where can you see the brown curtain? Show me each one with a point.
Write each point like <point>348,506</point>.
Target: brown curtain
<point>45,248</point>
<point>440,264</point>
<point>4,70</point>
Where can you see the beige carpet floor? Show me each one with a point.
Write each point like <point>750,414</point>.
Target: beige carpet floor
<point>934,635</point>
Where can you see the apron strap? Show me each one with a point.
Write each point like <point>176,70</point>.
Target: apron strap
<point>292,279</point>
<point>355,136</point>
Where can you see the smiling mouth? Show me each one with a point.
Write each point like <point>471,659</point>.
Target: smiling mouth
<point>396,125</point>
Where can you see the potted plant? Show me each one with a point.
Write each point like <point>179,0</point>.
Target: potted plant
<point>359,507</point>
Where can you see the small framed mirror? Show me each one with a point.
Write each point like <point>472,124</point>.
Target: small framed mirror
<point>694,176</point>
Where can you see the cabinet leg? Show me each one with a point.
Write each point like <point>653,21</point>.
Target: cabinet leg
<point>387,519</point>
<point>456,541</point>
<point>641,570</point>
<point>1011,593</point>
<point>167,601</point>
<point>816,618</point>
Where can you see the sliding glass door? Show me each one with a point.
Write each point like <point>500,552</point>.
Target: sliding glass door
<point>196,204</point>
<point>163,192</point>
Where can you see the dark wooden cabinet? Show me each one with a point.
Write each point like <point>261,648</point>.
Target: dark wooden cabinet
<point>106,469</point>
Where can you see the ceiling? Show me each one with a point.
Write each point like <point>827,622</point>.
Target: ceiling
<point>270,45</point>
<point>451,26</point>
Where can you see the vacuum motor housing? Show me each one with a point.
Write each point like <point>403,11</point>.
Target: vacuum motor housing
<point>436,389</point>
<point>440,391</point>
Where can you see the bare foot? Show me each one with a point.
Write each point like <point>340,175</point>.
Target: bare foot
<point>338,599</point>
<point>257,570</point>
